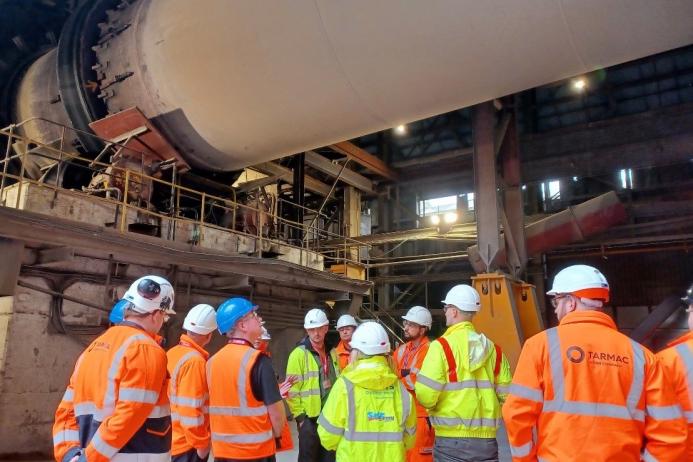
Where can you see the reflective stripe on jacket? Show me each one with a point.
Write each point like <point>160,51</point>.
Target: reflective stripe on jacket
<point>340,357</point>
<point>116,402</point>
<point>305,395</point>
<point>677,361</point>
<point>369,415</point>
<point>408,361</point>
<point>239,423</point>
<point>584,391</point>
<point>466,405</point>
<point>187,393</point>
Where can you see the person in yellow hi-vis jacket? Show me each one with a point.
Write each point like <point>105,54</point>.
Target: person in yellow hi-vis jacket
<point>463,381</point>
<point>369,415</point>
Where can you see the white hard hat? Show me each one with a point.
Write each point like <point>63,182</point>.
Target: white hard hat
<point>582,281</point>
<point>201,319</point>
<point>346,320</point>
<point>464,297</point>
<point>315,318</point>
<point>419,315</point>
<point>265,335</point>
<point>370,338</point>
<point>150,293</point>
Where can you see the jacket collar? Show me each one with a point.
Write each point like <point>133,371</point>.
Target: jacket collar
<point>591,316</point>
<point>309,346</point>
<point>423,342</point>
<point>683,339</point>
<point>342,348</point>
<point>460,326</point>
<point>187,341</point>
<point>157,338</point>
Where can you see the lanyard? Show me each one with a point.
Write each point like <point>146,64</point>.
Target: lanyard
<point>239,341</point>
<point>325,364</point>
<point>408,355</point>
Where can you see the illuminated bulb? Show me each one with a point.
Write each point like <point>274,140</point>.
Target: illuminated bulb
<point>579,84</point>
<point>450,217</point>
<point>435,220</point>
<point>401,129</point>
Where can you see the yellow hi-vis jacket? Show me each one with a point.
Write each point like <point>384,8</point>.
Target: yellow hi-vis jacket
<point>464,402</point>
<point>305,395</point>
<point>369,415</point>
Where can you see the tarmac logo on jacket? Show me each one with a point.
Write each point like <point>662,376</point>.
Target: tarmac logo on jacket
<point>575,354</point>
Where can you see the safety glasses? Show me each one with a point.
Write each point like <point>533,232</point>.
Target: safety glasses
<point>556,299</point>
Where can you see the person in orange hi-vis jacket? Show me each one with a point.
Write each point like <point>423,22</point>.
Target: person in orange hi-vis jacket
<point>582,391</point>
<point>116,407</point>
<point>346,325</point>
<point>408,358</point>
<point>187,390</point>
<point>246,411</point>
<point>677,361</point>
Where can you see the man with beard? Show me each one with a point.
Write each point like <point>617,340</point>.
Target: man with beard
<point>408,360</point>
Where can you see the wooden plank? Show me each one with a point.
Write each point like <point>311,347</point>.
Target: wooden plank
<point>313,185</point>
<point>365,159</point>
<point>348,176</point>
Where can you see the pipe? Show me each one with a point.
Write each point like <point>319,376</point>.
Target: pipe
<point>574,224</point>
<point>231,85</point>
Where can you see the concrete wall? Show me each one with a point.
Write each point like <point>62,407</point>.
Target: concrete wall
<point>36,360</point>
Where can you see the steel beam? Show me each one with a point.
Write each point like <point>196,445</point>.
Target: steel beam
<point>659,314</point>
<point>34,227</point>
<point>12,251</point>
<point>348,176</point>
<point>365,159</point>
<point>488,232</point>
<point>313,185</point>
<point>514,234</point>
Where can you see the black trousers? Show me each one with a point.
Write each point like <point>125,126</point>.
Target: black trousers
<point>309,447</point>
<point>188,456</point>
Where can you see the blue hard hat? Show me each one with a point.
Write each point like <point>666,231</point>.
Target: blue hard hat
<point>230,311</point>
<point>118,311</point>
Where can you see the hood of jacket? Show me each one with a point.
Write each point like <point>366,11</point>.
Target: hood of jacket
<point>374,373</point>
<point>475,348</point>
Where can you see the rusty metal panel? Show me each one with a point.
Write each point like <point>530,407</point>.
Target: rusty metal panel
<point>149,141</point>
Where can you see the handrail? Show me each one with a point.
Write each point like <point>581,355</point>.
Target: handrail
<point>208,203</point>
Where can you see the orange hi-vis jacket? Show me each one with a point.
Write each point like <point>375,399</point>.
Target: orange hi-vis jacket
<point>583,391</point>
<point>116,401</point>
<point>187,392</point>
<point>240,424</point>
<point>677,361</point>
<point>408,360</point>
<point>340,356</point>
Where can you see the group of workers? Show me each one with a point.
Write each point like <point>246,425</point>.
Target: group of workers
<point>581,390</point>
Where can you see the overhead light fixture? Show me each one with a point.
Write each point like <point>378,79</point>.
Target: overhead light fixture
<point>579,84</point>
<point>435,220</point>
<point>401,129</point>
<point>450,217</point>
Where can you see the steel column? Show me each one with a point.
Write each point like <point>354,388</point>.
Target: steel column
<point>299,194</point>
<point>512,195</point>
<point>485,184</point>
